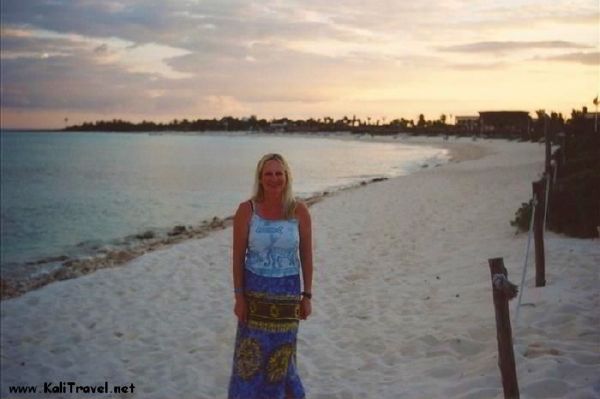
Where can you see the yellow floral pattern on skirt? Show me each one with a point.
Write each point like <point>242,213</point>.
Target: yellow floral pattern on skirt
<point>248,358</point>
<point>279,362</point>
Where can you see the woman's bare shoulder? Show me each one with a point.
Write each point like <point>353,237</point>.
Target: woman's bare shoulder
<point>302,210</point>
<point>244,210</point>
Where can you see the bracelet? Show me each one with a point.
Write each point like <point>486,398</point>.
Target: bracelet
<point>238,290</point>
<point>307,294</point>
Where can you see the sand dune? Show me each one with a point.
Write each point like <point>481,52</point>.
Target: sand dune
<point>402,300</point>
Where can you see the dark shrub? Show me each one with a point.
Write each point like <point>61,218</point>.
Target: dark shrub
<point>522,217</point>
<point>575,204</point>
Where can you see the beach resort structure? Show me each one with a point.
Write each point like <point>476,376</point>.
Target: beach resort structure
<point>593,116</point>
<point>278,125</point>
<point>467,123</point>
<point>495,123</point>
<point>515,123</point>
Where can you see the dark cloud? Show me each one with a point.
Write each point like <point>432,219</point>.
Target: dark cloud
<point>15,44</point>
<point>65,83</point>
<point>191,26</point>
<point>81,79</point>
<point>131,22</point>
<point>101,49</point>
<point>277,66</point>
<point>505,46</point>
<point>244,53</point>
<point>592,58</point>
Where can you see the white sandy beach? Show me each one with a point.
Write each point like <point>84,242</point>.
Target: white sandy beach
<point>402,300</point>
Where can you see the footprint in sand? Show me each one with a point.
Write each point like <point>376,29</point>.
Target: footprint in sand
<point>465,347</point>
<point>585,358</point>
<point>547,388</point>
<point>481,393</point>
<point>355,276</point>
<point>442,371</point>
<point>536,350</point>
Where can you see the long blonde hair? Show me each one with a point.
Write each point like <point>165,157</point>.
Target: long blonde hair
<point>288,199</point>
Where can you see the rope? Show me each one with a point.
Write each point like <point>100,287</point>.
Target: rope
<point>522,286</point>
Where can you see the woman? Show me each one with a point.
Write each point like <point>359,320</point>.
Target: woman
<point>272,240</point>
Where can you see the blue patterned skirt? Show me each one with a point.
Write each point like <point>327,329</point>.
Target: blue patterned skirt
<point>264,361</point>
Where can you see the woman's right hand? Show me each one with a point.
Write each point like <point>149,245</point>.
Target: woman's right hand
<point>241,309</point>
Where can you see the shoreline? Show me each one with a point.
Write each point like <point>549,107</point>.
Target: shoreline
<point>13,287</point>
<point>16,283</point>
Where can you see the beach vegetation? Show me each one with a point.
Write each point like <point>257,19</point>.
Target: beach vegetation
<point>574,194</point>
<point>512,125</point>
<point>574,198</point>
<point>523,217</point>
<point>575,202</point>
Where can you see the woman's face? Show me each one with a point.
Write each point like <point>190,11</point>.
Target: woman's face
<point>273,177</point>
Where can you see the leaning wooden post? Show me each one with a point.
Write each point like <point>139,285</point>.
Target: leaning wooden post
<point>557,162</point>
<point>548,144</point>
<point>563,145</point>
<point>550,180</point>
<point>538,232</point>
<point>503,291</point>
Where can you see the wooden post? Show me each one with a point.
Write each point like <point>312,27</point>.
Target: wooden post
<point>563,145</point>
<point>558,161</point>
<point>538,232</point>
<point>503,291</point>
<point>550,180</point>
<point>548,145</point>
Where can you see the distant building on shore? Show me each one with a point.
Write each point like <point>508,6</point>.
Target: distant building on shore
<point>467,123</point>
<point>279,125</point>
<point>515,123</point>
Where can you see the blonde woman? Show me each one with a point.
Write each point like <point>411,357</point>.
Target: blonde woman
<point>272,243</point>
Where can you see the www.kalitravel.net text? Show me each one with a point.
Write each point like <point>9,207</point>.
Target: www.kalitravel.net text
<point>67,387</point>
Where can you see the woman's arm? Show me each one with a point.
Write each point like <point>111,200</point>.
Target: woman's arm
<point>306,257</point>
<point>240,242</point>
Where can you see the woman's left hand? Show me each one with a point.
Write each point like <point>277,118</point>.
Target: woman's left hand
<point>305,308</point>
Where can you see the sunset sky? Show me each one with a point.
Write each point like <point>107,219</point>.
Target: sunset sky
<point>158,60</point>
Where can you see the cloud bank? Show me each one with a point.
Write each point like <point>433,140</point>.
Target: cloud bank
<point>183,58</point>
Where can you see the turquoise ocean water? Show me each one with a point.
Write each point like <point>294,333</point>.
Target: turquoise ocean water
<point>75,193</point>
